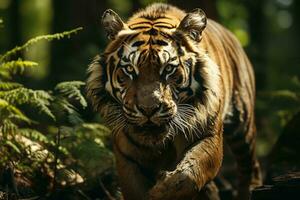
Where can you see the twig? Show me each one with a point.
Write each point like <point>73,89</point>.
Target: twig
<point>57,142</point>
<point>83,194</point>
<point>106,191</point>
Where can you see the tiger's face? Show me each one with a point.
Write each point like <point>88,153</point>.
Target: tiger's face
<point>150,77</point>
<point>149,74</point>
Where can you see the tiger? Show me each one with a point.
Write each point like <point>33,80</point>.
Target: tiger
<point>171,85</point>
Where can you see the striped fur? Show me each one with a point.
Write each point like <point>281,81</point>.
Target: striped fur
<point>168,84</point>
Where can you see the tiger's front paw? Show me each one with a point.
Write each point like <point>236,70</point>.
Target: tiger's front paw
<point>173,185</point>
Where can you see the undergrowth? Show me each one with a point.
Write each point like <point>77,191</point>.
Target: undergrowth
<point>44,142</point>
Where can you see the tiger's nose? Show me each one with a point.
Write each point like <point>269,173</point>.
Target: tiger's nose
<point>149,110</point>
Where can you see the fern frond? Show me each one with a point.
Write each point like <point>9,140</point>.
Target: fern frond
<point>35,135</point>
<point>5,86</point>
<point>10,112</point>
<point>32,41</point>
<point>63,111</point>
<point>71,89</point>
<point>12,145</point>
<point>4,74</point>
<point>17,66</point>
<point>8,127</point>
<point>36,98</point>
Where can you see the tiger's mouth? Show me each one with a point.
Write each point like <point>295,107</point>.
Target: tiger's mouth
<point>150,128</point>
<point>149,134</point>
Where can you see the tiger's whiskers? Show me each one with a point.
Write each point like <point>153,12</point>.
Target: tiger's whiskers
<point>185,122</point>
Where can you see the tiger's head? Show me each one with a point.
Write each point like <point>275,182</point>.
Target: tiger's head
<point>147,80</point>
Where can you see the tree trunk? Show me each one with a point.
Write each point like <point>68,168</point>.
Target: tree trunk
<point>15,29</point>
<point>257,45</point>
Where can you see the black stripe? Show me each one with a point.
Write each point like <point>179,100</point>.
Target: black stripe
<point>112,68</point>
<point>188,87</point>
<point>199,79</point>
<point>120,52</point>
<point>141,57</point>
<point>171,59</point>
<point>164,26</point>
<point>152,31</point>
<point>166,35</point>
<point>161,43</point>
<point>179,49</point>
<point>130,37</point>
<point>138,43</point>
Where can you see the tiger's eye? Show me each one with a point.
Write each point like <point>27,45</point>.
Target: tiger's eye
<point>169,68</point>
<point>129,68</point>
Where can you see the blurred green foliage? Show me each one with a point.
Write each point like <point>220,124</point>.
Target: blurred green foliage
<point>234,15</point>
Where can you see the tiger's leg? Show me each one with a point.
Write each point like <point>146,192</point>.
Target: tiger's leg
<point>200,165</point>
<point>241,140</point>
<point>133,183</point>
<point>208,192</point>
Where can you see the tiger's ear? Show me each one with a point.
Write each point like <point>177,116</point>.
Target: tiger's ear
<point>112,23</point>
<point>193,24</point>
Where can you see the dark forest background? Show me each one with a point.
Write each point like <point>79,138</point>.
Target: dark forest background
<point>268,30</point>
